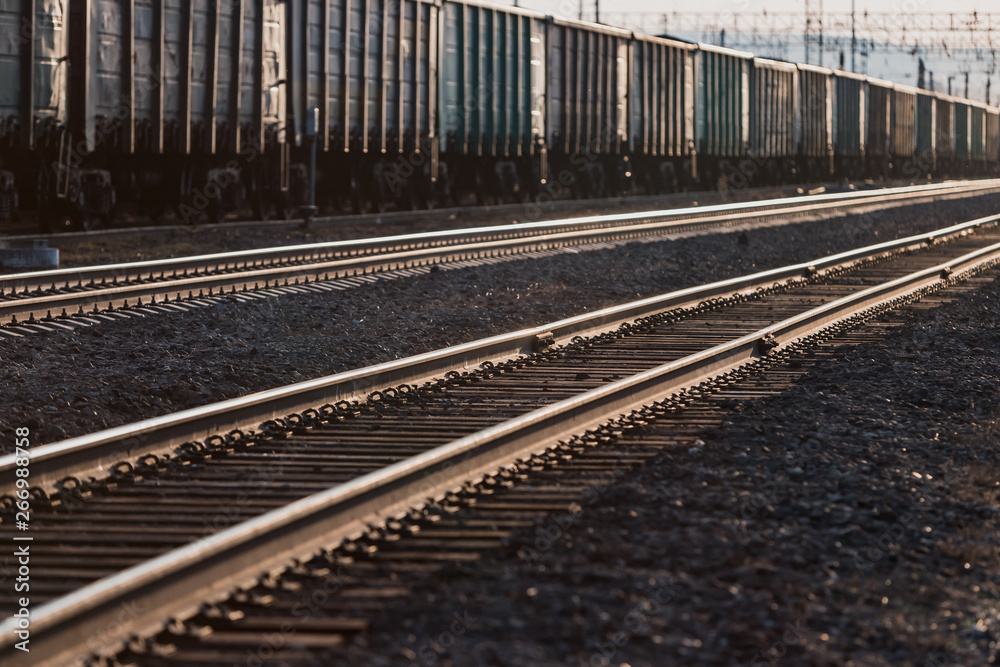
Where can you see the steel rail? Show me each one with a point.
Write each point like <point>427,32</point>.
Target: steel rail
<point>227,262</point>
<point>365,258</point>
<point>176,584</point>
<point>94,454</point>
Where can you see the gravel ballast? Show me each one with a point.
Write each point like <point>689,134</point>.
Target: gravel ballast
<point>70,383</point>
<point>850,520</point>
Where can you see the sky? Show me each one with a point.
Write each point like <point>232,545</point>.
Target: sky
<point>895,64</point>
<point>771,5</point>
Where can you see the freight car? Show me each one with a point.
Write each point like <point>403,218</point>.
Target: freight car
<point>772,102</point>
<point>661,119</point>
<point>165,102</point>
<point>850,105</point>
<point>493,101</point>
<point>204,106</point>
<point>814,121</point>
<point>722,112</point>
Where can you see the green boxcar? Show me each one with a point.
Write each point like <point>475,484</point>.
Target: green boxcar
<point>723,102</point>
<point>661,98</point>
<point>492,80</point>
<point>927,104</point>
<point>370,68</point>
<point>169,76</point>
<point>772,109</point>
<point>963,133</point>
<point>35,64</point>
<point>849,92</point>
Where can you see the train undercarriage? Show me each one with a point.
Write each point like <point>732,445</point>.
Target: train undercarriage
<point>273,183</point>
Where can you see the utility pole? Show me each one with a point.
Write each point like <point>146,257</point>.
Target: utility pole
<point>814,22</point>
<point>854,38</point>
<point>808,31</point>
<point>966,84</point>
<point>597,11</point>
<point>820,33</point>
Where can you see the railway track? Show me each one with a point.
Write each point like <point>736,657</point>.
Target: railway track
<point>244,499</point>
<point>24,232</point>
<point>308,613</point>
<point>50,299</point>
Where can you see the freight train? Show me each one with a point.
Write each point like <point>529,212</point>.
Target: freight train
<point>202,106</point>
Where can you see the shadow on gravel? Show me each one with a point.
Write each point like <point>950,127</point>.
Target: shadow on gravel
<point>850,520</point>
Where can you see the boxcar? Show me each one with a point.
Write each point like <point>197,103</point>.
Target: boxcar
<point>944,134</point>
<point>492,102</point>
<point>814,120</point>
<point>963,135</point>
<point>586,103</point>
<point>992,139</point>
<point>772,110</point>
<point>926,131</point>
<point>370,67</point>
<point>33,93</point>
<point>661,113</point>
<point>877,122</point>
<point>977,136</point>
<point>722,111</point>
<point>191,90</point>
<point>33,111</point>
<point>166,101</point>
<point>903,131</point>
<point>849,135</point>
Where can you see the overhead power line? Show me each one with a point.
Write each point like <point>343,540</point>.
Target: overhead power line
<point>953,43</point>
